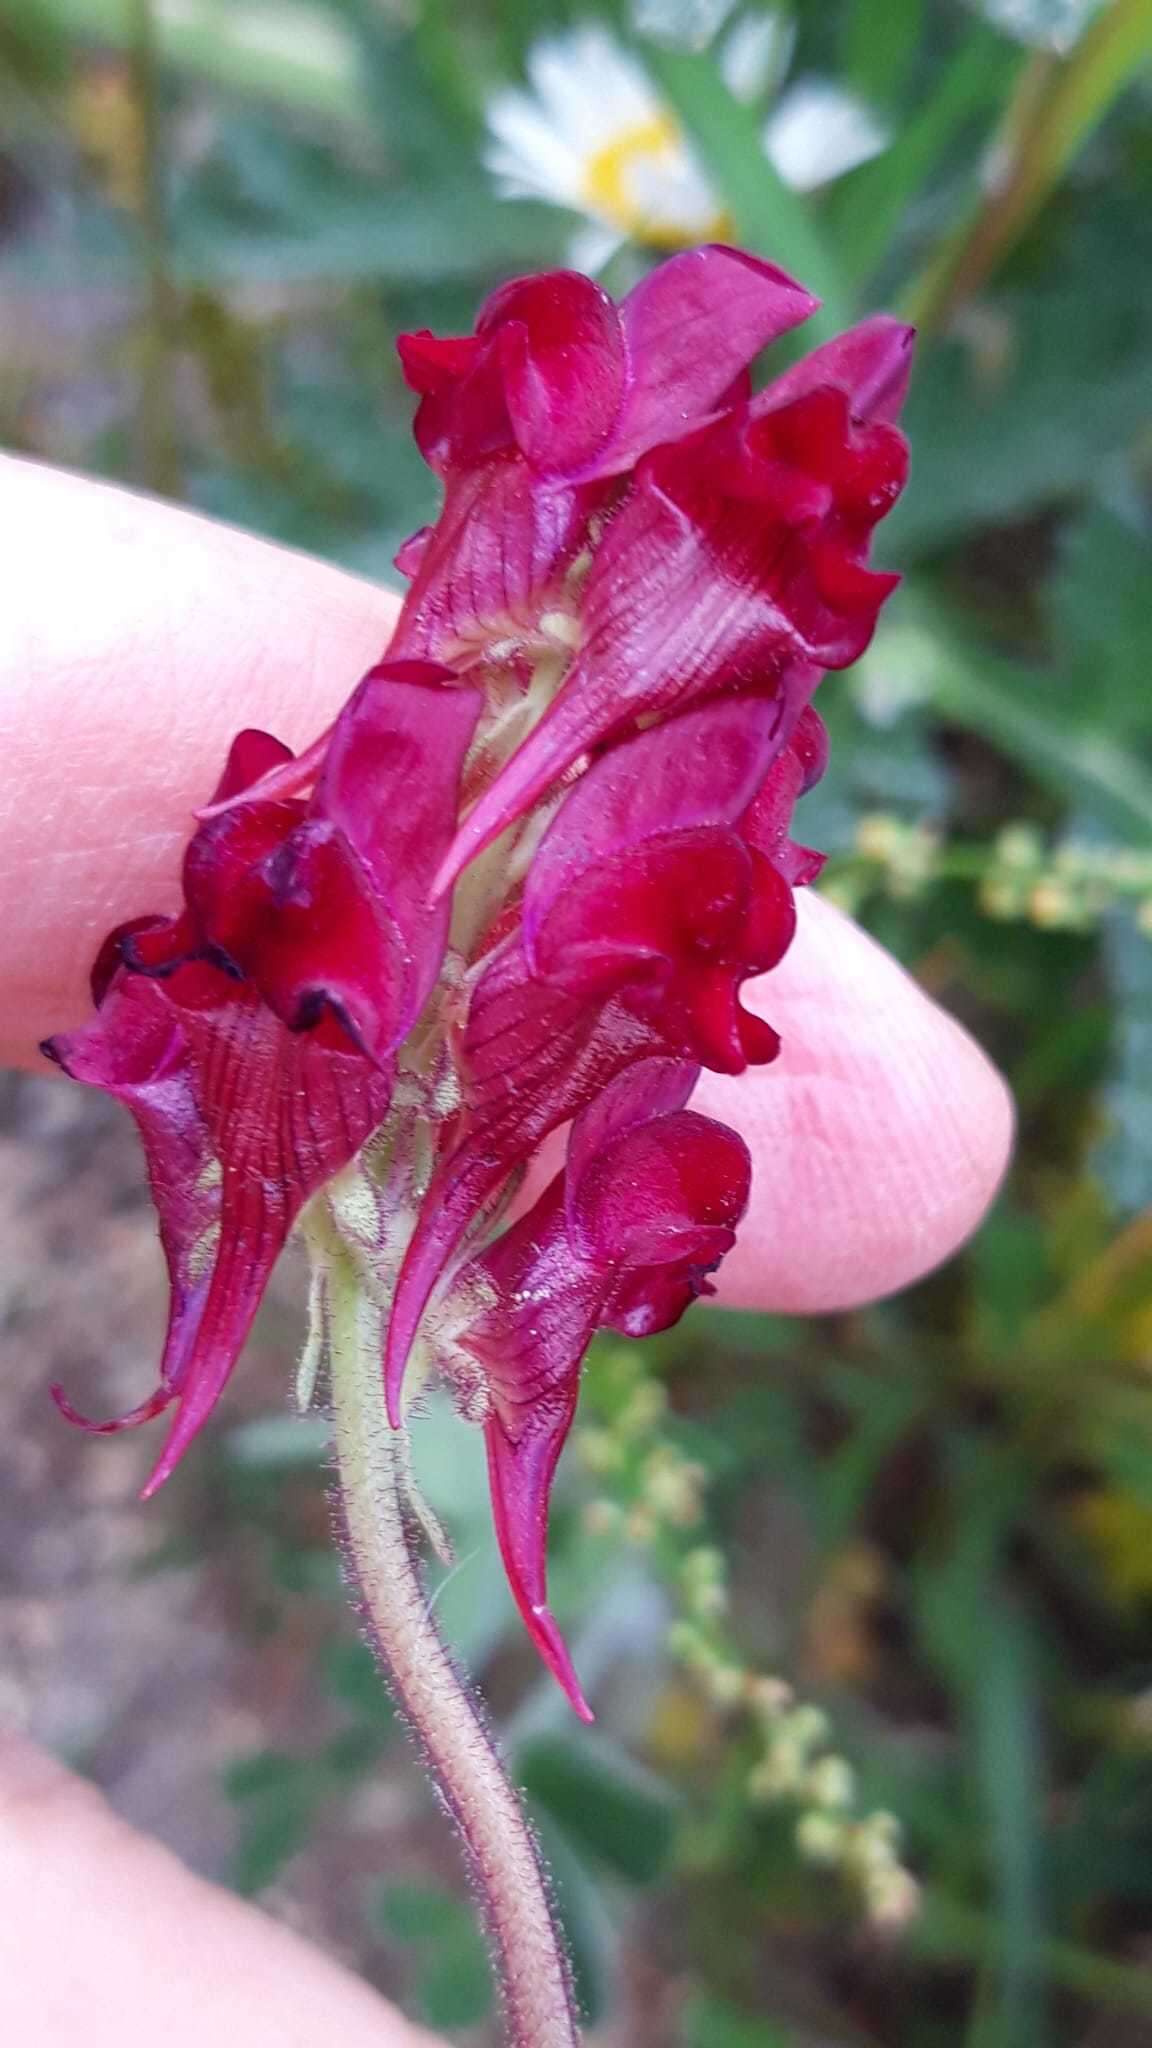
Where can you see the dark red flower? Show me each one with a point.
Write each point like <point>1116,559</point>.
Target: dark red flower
<point>737,563</point>
<point>323,906</point>
<point>250,1036</point>
<point>662,884</point>
<point>604,662</point>
<point>581,388</point>
<point>556,393</point>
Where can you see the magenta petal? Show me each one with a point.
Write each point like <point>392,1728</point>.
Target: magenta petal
<point>462,413</point>
<point>642,884</point>
<point>135,1051</point>
<point>646,1207</point>
<point>283,1114</point>
<point>872,362</point>
<point>766,823</point>
<point>146,1410</point>
<point>530,1346</point>
<point>531,1057</point>
<point>668,1192</point>
<point>493,561</point>
<point>692,325</point>
<point>326,954</point>
<point>252,755</point>
<point>241,1123</point>
<point>323,908</point>
<point>702,769</point>
<point>675,904</point>
<point>286,778</point>
<point>653,1298</point>
<point>650,1088</point>
<point>225,888</point>
<point>563,359</point>
<point>664,625</point>
<point>411,552</point>
<point>735,565</point>
<point>544,373</point>
<point>520,1475</point>
<point>390,789</point>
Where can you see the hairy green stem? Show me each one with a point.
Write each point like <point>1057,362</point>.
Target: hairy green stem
<point>437,1702</point>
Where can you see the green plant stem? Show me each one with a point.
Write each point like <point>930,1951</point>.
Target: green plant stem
<point>1056,105</point>
<point>441,1711</point>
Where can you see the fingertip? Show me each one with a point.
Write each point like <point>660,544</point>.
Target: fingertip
<point>879,1138</point>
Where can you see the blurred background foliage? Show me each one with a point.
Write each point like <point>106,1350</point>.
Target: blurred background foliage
<point>888,1564</point>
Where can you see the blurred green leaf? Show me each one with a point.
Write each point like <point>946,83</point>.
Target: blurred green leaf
<point>1020,708</point>
<point>608,1807</point>
<point>1123,1156</point>
<point>1003,1704</point>
<point>949,1930</point>
<point>353,1676</point>
<point>278,1443</point>
<point>1013,1276</point>
<point>709,2023</point>
<point>589,1917</point>
<point>454,1978</point>
<point>1101,618</point>
<point>868,208</point>
<point>879,40</point>
<point>295,52</point>
<point>455,1988</point>
<point>419,1912</point>
<point>277,1796</point>
<point>1030,425</point>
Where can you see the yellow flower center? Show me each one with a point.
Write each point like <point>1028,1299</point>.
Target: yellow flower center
<point>609,186</point>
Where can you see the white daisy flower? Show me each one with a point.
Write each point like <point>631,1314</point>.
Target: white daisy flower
<point>593,135</point>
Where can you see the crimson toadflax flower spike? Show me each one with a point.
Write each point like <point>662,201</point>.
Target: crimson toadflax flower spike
<point>519,886</point>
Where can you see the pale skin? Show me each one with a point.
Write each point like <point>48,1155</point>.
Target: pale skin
<point>134,640</point>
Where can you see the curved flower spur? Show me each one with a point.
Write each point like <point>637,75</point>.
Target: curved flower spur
<point>517,887</point>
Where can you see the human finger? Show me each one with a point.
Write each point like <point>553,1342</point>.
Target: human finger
<point>108,1941</point>
<point>879,1136</point>
<point>137,638</point>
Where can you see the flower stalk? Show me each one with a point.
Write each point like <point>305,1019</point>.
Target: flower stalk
<point>381,1556</point>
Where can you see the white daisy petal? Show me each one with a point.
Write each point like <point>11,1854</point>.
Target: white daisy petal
<point>589,86</point>
<point>529,154</point>
<point>592,247</point>
<point>1050,24</point>
<point>690,23</point>
<point>755,54</point>
<point>818,131</point>
<point>671,191</point>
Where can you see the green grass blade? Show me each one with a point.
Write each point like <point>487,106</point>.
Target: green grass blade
<point>869,209</point>
<point>878,46</point>
<point>1057,105</point>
